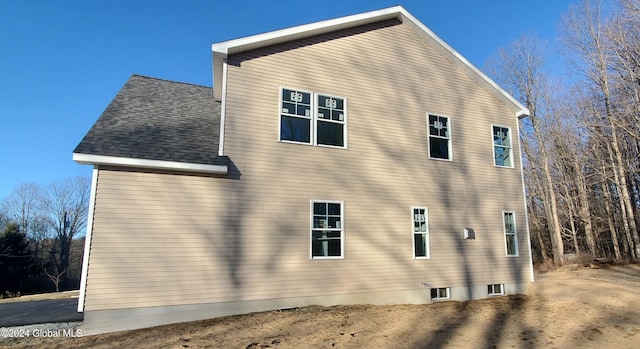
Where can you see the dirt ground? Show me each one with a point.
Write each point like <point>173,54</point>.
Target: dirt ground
<point>577,307</point>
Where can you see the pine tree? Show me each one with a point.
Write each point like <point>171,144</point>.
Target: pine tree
<point>16,261</point>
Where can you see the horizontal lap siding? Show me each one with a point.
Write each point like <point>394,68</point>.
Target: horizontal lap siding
<point>391,79</point>
<point>154,240</point>
<point>164,239</point>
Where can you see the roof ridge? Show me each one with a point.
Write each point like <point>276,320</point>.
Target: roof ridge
<point>168,80</point>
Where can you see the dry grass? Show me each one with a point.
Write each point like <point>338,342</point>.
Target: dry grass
<point>576,307</point>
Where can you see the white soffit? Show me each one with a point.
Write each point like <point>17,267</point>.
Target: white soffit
<point>222,49</point>
<point>89,159</point>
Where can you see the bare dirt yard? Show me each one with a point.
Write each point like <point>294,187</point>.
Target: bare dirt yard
<point>576,307</point>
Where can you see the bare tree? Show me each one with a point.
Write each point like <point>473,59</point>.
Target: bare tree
<point>23,205</point>
<point>4,219</point>
<point>66,204</point>
<point>587,36</point>
<point>521,69</point>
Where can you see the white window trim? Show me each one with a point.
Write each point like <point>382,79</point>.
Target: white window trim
<point>342,229</point>
<point>413,239</point>
<point>313,137</point>
<point>450,143</point>
<point>493,154</point>
<point>448,289</point>
<point>504,232</point>
<point>493,288</point>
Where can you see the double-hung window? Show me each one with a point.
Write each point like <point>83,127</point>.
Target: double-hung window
<point>420,233</point>
<point>502,150</point>
<point>439,137</point>
<point>510,235</point>
<point>313,118</point>
<point>295,116</point>
<point>327,229</point>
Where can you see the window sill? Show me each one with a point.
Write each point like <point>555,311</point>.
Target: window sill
<point>329,146</point>
<point>439,159</point>
<point>294,142</point>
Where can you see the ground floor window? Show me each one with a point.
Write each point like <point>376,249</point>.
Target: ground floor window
<point>440,293</point>
<point>495,289</point>
<point>420,232</point>
<point>327,229</point>
<point>510,235</point>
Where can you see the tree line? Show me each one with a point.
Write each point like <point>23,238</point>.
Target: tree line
<point>39,228</point>
<point>581,142</point>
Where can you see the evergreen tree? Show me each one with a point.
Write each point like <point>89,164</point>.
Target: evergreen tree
<point>16,262</point>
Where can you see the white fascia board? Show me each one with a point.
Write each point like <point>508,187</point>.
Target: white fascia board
<point>143,163</point>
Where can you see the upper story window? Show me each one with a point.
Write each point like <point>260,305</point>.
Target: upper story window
<point>295,116</point>
<point>439,137</point>
<point>313,118</point>
<point>502,154</point>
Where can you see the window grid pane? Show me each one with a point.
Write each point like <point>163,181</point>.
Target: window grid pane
<point>295,129</point>
<point>326,234</point>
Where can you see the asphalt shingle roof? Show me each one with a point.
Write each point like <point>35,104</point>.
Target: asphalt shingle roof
<point>156,119</point>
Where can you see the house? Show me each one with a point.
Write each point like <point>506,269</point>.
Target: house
<point>354,160</point>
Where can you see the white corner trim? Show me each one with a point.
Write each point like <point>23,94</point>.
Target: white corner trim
<point>87,241</point>
<point>143,163</point>
<point>223,109</point>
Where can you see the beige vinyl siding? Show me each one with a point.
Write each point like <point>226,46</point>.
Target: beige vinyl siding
<point>169,239</point>
<point>391,80</point>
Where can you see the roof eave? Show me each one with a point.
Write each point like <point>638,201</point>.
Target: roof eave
<point>92,159</point>
<point>523,113</point>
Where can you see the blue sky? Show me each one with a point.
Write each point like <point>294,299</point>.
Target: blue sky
<point>61,62</point>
